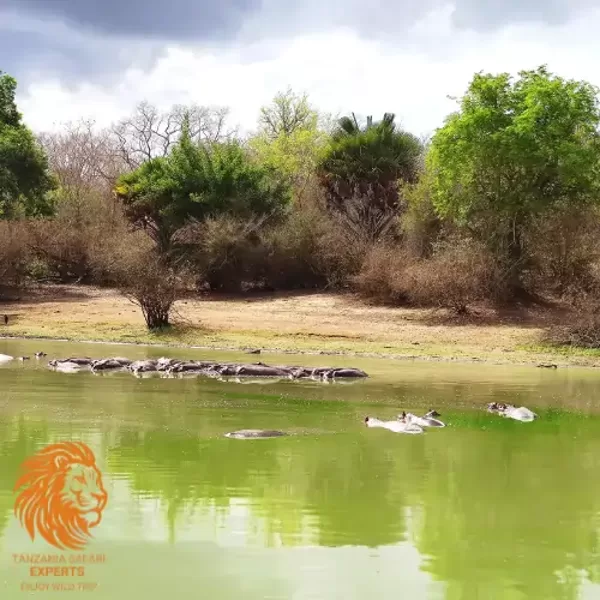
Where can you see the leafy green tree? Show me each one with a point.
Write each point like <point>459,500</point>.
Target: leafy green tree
<point>287,113</point>
<point>366,165</point>
<point>290,139</point>
<point>195,182</point>
<point>513,150</point>
<point>25,181</point>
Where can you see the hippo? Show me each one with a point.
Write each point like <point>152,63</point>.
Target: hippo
<point>4,358</point>
<point>107,364</point>
<point>252,434</point>
<point>80,362</point>
<point>260,371</point>
<point>143,366</point>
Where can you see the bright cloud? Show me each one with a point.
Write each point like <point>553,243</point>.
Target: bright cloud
<point>341,68</point>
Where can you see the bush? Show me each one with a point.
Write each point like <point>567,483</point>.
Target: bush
<point>223,251</point>
<point>305,249</point>
<point>70,249</point>
<point>420,225</point>
<point>154,286</point>
<point>381,278</point>
<point>564,252</point>
<point>13,255</point>
<point>460,272</point>
<point>583,328</point>
<point>292,251</point>
<point>144,277</point>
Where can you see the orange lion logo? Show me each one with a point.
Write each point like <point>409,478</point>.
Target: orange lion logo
<point>64,496</point>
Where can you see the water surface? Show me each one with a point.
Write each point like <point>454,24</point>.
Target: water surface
<point>485,508</point>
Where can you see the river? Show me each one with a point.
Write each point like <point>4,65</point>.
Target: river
<point>483,508</point>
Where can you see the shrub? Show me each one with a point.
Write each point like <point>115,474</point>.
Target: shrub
<point>420,226</point>
<point>582,330</point>
<point>564,252</point>
<point>13,255</point>
<point>291,251</point>
<point>222,251</point>
<point>153,286</point>
<point>459,273</point>
<point>381,278</point>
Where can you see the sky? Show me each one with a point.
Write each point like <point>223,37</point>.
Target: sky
<point>84,59</point>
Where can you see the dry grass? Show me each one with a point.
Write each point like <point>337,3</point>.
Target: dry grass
<point>299,322</point>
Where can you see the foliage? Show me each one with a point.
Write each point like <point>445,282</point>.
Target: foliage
<point>13,255</point>
<point>564,251</point>
<point>420,226</point>
<point>288,113</point>
<point>71,247</point>
<point>459,273</point>
<point>198,182</point>
<point>25,181</point>
<point>515,149</point>
<point>290,140</point>
<point>151,133</point>
<point>380,279</point>
<point>368,163</point>
<point>581,330</point>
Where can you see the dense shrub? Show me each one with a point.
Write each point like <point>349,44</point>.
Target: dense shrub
<point>381,277</point>
<point>564,252</point>
<point>582,329</point>
<point>460,273</point>
<point>69,249</point>
<point>13,256</point>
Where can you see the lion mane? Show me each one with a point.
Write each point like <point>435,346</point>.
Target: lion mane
<point>49,505</point>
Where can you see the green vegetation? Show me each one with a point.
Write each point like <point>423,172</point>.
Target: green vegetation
<point>25,181</point>
<point>500,206</point>
<point>516,150</point>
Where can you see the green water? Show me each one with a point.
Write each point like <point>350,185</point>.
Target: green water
<point>485,508</point>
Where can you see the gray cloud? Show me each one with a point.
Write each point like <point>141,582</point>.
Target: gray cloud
<point>174,19</point>
<point>31,47</point>
<point>95,40</point>
<point>485,15</point>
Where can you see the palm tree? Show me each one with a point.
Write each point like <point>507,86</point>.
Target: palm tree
<point>363,167</point>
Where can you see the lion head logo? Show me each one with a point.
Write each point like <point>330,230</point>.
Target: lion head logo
<point>63,496</point>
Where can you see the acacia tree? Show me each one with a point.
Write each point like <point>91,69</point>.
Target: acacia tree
<point>513,150</point>
<point>25,181</point>
<point>195,182</point>
<point>362,168</point>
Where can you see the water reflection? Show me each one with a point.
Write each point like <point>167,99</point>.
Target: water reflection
<point>487,508</point>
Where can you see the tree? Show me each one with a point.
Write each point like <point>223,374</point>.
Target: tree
<point>290,139</point>
<point>513,150</point>
<point>286,114</point>
<point>86,166</point>
<point>363,166</point>
<point>195,182</point>
<point>150,133</point>
<point>25,181</point>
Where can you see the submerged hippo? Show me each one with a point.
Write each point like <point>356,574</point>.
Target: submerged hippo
<point>70,365</point>
<point>6,358</point>
<point>251,434</point>
<point>142,366</point>
<point>107,364</point>
<point>80,362</point>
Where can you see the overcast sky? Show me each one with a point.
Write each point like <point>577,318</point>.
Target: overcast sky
<point>88,59</point>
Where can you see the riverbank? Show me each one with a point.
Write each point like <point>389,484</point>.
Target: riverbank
<point>294,323</point>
